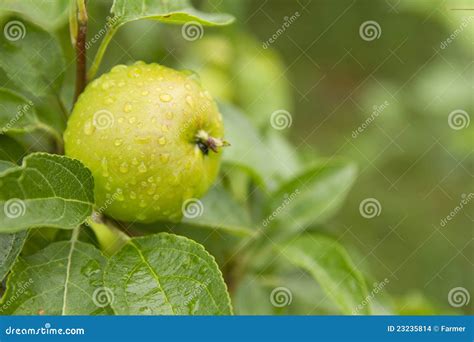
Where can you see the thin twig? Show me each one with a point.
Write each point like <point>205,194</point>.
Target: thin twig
<point>81,61</point>
<point>111,30</point>
<point>62,107</point>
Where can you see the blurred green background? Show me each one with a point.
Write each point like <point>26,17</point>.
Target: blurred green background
<point>322,72</point>
<point>309,58</point>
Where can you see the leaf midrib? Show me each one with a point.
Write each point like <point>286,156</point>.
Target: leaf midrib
<point>74,238</point>
<point>154,274</point>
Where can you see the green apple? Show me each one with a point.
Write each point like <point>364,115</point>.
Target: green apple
<point>151,136</point>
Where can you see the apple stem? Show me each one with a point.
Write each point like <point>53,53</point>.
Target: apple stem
<point>206,142</point>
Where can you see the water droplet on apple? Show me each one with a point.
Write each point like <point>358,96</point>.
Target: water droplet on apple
<point>127,108</point>
<point>166,97</point>
<point>142,168</point>
<point>189,101</point>
<point>89,128</point>
<point>105,169</point>
<point>124,167</point>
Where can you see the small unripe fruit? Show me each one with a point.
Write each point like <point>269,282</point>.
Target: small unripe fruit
<point>151,137</point>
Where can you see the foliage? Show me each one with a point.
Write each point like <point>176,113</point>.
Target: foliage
<point>60,255</point>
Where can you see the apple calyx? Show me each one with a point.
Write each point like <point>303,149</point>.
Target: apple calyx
<point>205,142</point>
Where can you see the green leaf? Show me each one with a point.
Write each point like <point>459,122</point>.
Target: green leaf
<point>313,196</point>
<point>10,247</point>
<point>281,147</point>
<point>166,274</point>
<point>48,14</point>
<point>328,262</point>
<point>250,151</point>
<point>5,165</point>
<point>65,278</point>
<point>176,11</point>
<point>31,57</point>
<point>252,298</point>
<point>47,190</point>
<point>218,210</point>
<point>11,150</point>
<point>172,12</point>
<point>17,114</point>
<point>259,76</point>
